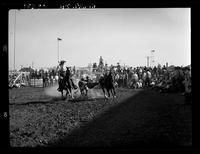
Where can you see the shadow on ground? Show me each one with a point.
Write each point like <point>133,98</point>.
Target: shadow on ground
<point>147,119</point>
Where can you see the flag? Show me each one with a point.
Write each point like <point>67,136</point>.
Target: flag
<point>59,39</point>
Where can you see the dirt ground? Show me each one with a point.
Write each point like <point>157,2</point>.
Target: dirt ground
<point>136,118</point>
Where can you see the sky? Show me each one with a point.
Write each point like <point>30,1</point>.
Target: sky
<point>118,35</point>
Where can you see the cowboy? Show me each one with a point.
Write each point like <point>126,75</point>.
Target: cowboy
<point>69,78</point>
<point>82,85</point>
<point>61,73</point>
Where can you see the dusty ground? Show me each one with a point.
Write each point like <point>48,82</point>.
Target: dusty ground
<point>136,118</point>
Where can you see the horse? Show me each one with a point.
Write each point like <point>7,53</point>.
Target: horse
<point>66,84</point>
<point>107,82</point>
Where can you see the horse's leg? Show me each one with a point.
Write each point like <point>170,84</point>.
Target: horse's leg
<point>104,92</point>
<point>66,94</point>
<point>86,91</point>
<point>111,90</point>
<point>108,91</point>
<point>62,93</point>
<point>68,91</point>
<point>114,91</point>
<point>72,94</point>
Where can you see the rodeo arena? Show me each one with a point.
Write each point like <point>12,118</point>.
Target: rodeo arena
<point>101,106</point>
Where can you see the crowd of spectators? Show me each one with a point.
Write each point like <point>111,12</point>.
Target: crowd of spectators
<point>165,79</point>
<point>161,77</point>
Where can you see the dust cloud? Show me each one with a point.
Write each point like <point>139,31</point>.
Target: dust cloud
<point>92,93</point>
<point>52,91</point>
<point>95,93</point>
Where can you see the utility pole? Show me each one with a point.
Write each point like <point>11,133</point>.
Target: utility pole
<point>152,58</point>
<point>14,36</point>
<point>147,60</point>
<point>59,39</point>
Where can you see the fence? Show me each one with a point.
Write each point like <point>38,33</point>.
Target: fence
<point>36,82</point>
<point>23,79</point>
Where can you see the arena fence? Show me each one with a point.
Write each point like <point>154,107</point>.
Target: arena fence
<point>36,82</point>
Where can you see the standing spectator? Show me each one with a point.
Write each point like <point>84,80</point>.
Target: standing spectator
<point>140,73</point>
<point>125,78</point>
<point>148,78</point>
<point>23,78</point>
<point>28,79</point>
<point>56,78</point>
<point>134,80</point>
<point>144,76</point>
<point>44,80</point>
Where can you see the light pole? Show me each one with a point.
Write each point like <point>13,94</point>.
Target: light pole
<point>59,39</point>
<point>147,60</point>
<point>14,36</point>
<point>152,57</point>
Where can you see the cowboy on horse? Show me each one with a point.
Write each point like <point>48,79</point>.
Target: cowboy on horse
<point>61,74</point>
<point>64,77</point>
<point>106,82</point>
